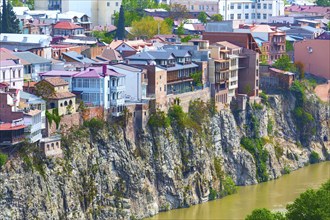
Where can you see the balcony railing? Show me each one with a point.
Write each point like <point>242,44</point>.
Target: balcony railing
<point>117,88</point>
<point>117,102</point>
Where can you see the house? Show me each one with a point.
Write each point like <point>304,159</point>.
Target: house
<point>51,146</point>
<point>128,48</point>
<point>75,17</point>
<point>136,81</point>
<point>12,133</point>
<point>272,78</point>
<point>24,42</point>
<point>12,72</point>
<point>65,28</point>
<point>304,32</point>
<point>72,56</point>
<point>314,54</point>
<point>35,64</point>
<point>58,49</point>
<point>33,102</point>
<point>307,10</point>
<point>33,123</point>
<point>56,91</point>
<point>109,55</point>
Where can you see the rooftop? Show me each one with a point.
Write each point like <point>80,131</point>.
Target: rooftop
<point>32,112</point>
<point>66,25</point>
<point>56,81</point>
<point>31,57</point>
<point>25,38</point>
<point>10,127</point>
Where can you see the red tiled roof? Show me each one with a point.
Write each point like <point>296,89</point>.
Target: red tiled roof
<point>66,25</point>
<point>9,127</point>
<point>56,81</point>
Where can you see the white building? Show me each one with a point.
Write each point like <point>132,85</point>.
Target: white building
<point>33,122</point>
<point>251,11</point>
<point>136,81</point>
<point>12,72</point>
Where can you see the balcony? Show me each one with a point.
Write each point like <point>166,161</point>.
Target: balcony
<point>144,81</point>
<point>117,102</point>
<point>120,88</point>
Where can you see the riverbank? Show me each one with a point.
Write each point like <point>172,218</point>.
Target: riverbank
<point>273,195</point>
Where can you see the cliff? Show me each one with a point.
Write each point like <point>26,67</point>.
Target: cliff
<point>106,175</point>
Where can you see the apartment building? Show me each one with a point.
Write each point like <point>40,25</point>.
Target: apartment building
<point>101,12</point>
<point>12,73</point>
<point>210,6</point>
<point>33,123</point>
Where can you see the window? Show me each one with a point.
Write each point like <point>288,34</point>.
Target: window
<point>258,6</point>
<point>14,74</point>
<point>239,6</point>
<point>246,16</point>
<point>231,6</point>
<point>231,16</point>
<point>264,6</point>
<point>258,15</point>
<point>246,6</point>
<point>192,7</point>
<point>270,6</point>
<point>270,15</point>
<point>117,4</point>
<point>3,75</point>
<point>108,4</point>
<point>19,73</point>
<point>239,16</point>
<point>160,89</point>
<point>253,6</point>
<point>264,16</point>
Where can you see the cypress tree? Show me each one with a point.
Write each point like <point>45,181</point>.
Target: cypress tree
<point>13,22</point>
<point>120,33</point>
<point>4,18</point>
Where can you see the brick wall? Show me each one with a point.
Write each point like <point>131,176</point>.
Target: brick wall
<point>67,122</point>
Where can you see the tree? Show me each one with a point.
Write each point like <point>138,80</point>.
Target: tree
<point>311,205</point>
<point>264,214</point>
<point>284,63</point>
<point>180,30</point>
<point>217,17</point>
<point>9,21</point>
<point>324,3</point>
<point>120,32</point>
<point>169,21</point>
<point>202,17</point>
<point>178,11</point>
<point>149,27</point>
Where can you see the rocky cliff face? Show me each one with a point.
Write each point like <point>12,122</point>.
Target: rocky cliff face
<point>105,175</point>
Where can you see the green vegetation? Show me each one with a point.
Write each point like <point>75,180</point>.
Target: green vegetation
<point>53,117</point>
<point>255,147</point>
<point>284,63</point>
<point>310,205</point>
<point>217,17</point>
<point>270,126</point>
<point>286,170</point>
<point>149,27</point>
<point>304,120</point>
<point>159,120</point>
<point>300,69</point>
<point>103,36</point>
<point>8,20</point>
<point>264,98</point>
<point>257,106</point>
<point>197,77</point>
<point>325,3</point>
<point>213,194</point>
<point>314,157</point>
<point>288,46</point>
<point>278,151</point>
<point>120,32</point>
<point>3,159</point>
<point>202,17</point>
<point>94,125</point>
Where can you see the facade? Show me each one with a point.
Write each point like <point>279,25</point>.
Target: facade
<point>12,73</point>
<point>56,91</point>
<point>64,28</point>
<point>272,78</point>
<point>210,7</point>
<point>33,65</point>
<point>33,122</point>
<point>51,146</point>
<point>314,54</point>
<point>12,133</point>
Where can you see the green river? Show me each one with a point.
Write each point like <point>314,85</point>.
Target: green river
<point>273,195</point>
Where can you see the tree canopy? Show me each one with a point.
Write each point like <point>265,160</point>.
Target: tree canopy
<point>202,17</point>
<point>178,11</point>
<point>325,3</point>
<point>217,17</point>
<point>310,205</point>
<point>120,32</point>
<point>284,63</point>
<point>149,27</point>
<point>9,21</point>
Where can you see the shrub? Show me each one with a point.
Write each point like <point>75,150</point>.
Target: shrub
<point>213,194</point>
<point>264,98</point>
<point>270,126</point>
<point>229,186</point>
<point>177,116</point>
<point>3,159</point>
<point>314,157</point>
<point>257,106</point>
<point>94,125</point>
<point>158,120</point>
<point>286,170</point>
<point>278,151</point>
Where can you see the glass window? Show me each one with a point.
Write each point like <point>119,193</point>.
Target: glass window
<point>264,16</point>
<point>117,4</point>
<point>258,15</point>
<point>232,16</point>
<point>239,6</point>
<point>239,16</point>
<point>253,16</point>
<point>192,7</point>
<point>253,6</point>
<point>246,16</point>
<point>246,6</point>
<point>264,6</point>
<point>270,6</point>
<point>258,6</point>
<point>270,15</point>
<point>231,6</point>
<point>86,83</point>
<point>108,4</point>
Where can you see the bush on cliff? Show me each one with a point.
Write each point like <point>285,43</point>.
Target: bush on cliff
<point>3,159</point>
<point>159,120</point>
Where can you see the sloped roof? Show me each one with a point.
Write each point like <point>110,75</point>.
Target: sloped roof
<point>262,28</point>
<point>61,95</point>
<point>56,81</point>
<point>31,57</point>
<point>324,36</point>
<point>25,38</point>
<point>179,53</point>
<point>111,54</point>
<point>66,25</point>
<point>228,45</point>
<point>78,57</point>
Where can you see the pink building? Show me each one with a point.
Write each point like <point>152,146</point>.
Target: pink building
<point>314,54</point>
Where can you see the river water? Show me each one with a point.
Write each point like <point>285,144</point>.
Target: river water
<point>273,195</point>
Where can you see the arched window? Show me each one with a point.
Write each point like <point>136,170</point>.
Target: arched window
<point>52,105</point>
<point>65,103</point>
<point>61,104</point>
<point>70,102</point>
<point>53,146</point>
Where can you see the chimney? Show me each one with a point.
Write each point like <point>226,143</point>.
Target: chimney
<point>104,69</point>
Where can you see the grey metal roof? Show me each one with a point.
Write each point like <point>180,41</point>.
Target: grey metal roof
<point>31,57</point>
<point>32,99</point>
<point>151,55</point>
<point>181,67</point>
<point>126,67</point>
<point>179,53</point>
<point>78,57</point>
